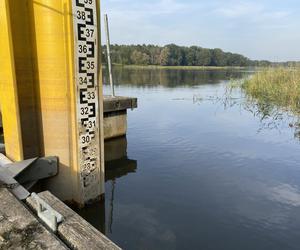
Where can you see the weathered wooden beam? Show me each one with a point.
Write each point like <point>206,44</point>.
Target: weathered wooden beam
<point>76,232</point>
<point>19,229</point>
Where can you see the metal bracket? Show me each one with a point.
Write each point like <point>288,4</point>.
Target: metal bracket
<point>27,173</point>
<point>34,169</point>
<point>47,214</point>
<point>7,181</point>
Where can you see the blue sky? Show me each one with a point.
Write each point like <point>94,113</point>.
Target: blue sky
<point>264,29</point>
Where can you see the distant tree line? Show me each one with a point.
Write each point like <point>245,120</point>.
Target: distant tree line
<point>173,55</point>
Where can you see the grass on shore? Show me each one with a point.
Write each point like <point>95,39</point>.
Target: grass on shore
<point>279,87</point>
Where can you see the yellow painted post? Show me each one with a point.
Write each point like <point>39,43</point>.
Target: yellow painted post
<point>63,129</point>
<point>23,47</point>
<point>52,70</point>
<point>8,88</point>
<point>60,100</point>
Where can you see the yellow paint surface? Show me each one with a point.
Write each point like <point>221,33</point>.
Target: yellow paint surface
<point>54,73</point>
<point>23,46</point>
<point>54,70</point>
<point>8,88</point>
<point>38,91</point>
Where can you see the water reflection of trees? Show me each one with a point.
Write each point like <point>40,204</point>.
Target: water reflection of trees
<point>149,77</point>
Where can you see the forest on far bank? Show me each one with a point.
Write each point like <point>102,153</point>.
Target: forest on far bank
<point>173,55</point>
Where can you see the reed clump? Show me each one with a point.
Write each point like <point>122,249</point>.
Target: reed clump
<point>278,87</point>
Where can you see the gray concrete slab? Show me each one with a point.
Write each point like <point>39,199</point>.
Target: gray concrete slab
<point>112,104</point>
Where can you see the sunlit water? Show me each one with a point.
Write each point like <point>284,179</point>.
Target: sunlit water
<point>193,174</point>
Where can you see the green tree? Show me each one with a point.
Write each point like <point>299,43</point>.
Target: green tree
<point>140,58</point>
<point>217,58</point>
<point>165,57</point>
<point>203,57</point>
<point>173,55</point>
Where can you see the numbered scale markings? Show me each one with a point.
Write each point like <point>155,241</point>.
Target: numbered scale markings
<point>86,75</point>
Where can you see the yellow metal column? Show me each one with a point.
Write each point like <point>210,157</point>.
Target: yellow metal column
<point>53,73</point>
<point>54,70</point>
<point>23,47</point>
<point>42,96</point>
<point>8,88</point>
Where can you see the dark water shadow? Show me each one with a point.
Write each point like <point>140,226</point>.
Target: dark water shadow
<point>117,165</point>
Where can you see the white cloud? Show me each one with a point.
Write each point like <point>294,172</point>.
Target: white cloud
<point>242,9</point>
<point>258,29</point>
<point>250,11</point>
<point>146,8</point>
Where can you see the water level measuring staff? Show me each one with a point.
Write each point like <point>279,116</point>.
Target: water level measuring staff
<point>87,99</point>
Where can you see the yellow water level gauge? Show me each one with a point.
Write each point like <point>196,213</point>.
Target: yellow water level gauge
<point>51,92</point>
<point>87,99</point>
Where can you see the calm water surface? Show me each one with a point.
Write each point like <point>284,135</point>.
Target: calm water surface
<point>192,174</point>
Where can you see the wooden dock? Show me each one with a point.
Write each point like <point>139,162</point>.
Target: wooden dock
<point>76,232</point>
<point>20,228</point>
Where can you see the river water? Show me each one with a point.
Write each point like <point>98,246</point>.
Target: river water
<point>197,171</point>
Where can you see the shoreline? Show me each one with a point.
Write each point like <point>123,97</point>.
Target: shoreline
<point>178,67</point>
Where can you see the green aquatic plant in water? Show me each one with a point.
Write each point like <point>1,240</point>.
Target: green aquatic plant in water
<point>277,87</point>
<point>272,94</point>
